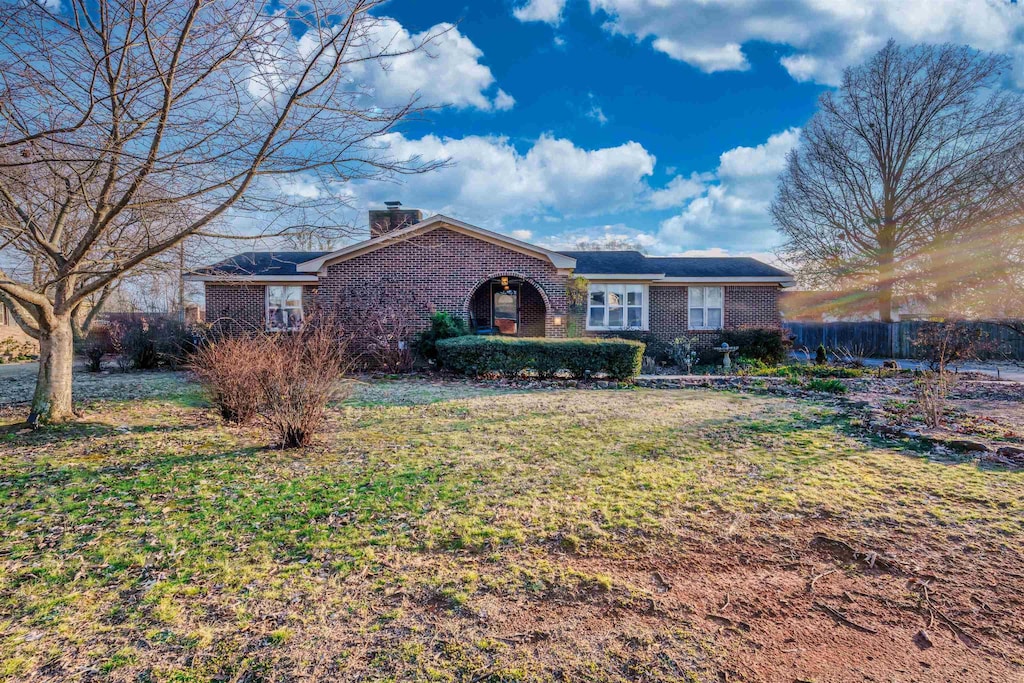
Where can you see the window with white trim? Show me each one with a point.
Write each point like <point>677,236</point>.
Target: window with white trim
<point>706,308</point>
<point>284,307</point>
<point>617,307</point>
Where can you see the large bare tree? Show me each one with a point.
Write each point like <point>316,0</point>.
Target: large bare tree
<point>127,126</point>
<point>896,167</point>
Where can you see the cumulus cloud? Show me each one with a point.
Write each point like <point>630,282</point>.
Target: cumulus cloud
<point>448,71</point>
<point>679,190</point>
<point>733,206</point>
<point>547,11</point>
<point>489,179</point>
<point>825,36</point>
<point>445,70</point>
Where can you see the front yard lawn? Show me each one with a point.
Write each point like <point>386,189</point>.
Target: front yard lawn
<point>456,533</point>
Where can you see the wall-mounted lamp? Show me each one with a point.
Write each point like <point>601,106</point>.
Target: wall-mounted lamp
<point>558,320</point>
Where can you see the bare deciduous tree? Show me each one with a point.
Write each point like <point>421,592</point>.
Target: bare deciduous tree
<point>127,126</point>
<point>896,164</point>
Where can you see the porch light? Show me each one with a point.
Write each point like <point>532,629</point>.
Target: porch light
<point>504,283</point>
<point>558,320</point>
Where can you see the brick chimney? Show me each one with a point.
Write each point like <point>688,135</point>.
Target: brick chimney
<point>392,218</point>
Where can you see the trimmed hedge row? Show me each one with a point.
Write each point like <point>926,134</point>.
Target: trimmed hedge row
<point>511,356</point>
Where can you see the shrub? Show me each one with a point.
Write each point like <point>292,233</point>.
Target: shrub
<point>135,344</point>
<point>287,379</point>
<point>229,371</point>
<point>768,345</point>
<point>443,325</point>
<point>620,359</point>
<point>943,344</point>
<point>950,342</point>
<point>96,345</point>
<point>932,390</point>
<point>382,332</point>
<point>684,352</point>
<point>176,342</point>
<point>832,386</point>
<point>147,344</point>
<point>821,355</point>
<point>13,351</point>
<point>655,348</point>
<point>300,376</point>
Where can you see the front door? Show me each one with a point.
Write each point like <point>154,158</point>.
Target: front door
<point>505,308</point>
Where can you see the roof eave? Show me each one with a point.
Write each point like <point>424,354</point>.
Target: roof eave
<point>255,279</point>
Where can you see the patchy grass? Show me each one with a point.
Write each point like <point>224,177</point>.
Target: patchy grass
<point>448,532</point>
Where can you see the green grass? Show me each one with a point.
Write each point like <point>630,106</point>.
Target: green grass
<point>149,539</point>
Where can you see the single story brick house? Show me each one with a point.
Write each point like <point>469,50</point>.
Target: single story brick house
<point>499,284</point>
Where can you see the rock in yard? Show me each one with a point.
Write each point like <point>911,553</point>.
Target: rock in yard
<point>967,446</point>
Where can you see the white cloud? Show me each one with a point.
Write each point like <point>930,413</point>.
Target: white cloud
<point>733,207</point>
<point>490,180</point>
<point>547,11</point>
<point>503,101</point>
<point>524,235</point>
<point>595,112</point>
<point>767,159</point>
<point>301,186</point>
<point>440,65</point>
<point>709,59</point>
<point>448,71</point>
<point>826,35</point>
<point>679,190</point>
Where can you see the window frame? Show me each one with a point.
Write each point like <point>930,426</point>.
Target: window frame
<point>266,306</point>
<point>704,307</point>
<point>624,288</point>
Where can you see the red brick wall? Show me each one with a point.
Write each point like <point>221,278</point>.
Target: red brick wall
<point>745,306</point>
<point>234,308</point>
<point>752,307</point>
<point>437,270</point>
<point>531,313</point>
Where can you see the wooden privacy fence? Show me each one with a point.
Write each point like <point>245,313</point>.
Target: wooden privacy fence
<point>892,340</point>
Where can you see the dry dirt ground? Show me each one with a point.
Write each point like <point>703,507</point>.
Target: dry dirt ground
<point>458,533</point>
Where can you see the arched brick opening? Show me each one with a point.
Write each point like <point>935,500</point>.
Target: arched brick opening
<point>534,305</point>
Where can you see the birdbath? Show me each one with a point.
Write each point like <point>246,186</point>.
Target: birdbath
<point>725,350</point>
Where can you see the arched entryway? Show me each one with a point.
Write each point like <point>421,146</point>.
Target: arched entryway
<point>508,304</point>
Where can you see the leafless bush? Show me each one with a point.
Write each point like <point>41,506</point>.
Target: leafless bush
<point>932,393</point>
<point>383,336</point>
<point>943,344</point>
<point>287,379</point>
<point>380,316</point>
<point>229,370</point>
<point>301,373</point>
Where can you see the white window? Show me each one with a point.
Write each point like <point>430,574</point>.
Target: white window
<point>284,307</point>
<point>706,308</point>
<point>617,307</point>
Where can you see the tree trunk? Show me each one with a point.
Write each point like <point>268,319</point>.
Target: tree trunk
<point>52,400</point>
<point>886,282</point>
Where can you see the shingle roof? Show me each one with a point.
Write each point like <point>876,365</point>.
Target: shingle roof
<point>282,263</point>
<point>635,263</point>
<point>261,263</point>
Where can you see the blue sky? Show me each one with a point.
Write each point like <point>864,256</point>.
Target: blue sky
<point>665,122</point>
